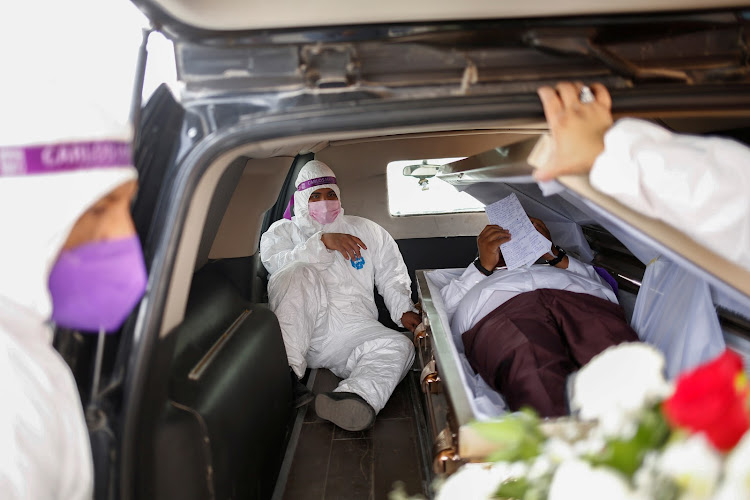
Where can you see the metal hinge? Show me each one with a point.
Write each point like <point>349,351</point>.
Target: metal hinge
<point>329,66</point>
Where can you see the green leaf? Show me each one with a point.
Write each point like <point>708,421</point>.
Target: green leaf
<point>513,489</point>
<point>627,455</point>
<point>516,435</point>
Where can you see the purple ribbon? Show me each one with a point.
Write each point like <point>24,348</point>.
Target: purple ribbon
<point>608,278</point>
<point>63,157</point>
<point>318,181</point>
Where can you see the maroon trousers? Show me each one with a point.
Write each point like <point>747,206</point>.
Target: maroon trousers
<point>527,347</point>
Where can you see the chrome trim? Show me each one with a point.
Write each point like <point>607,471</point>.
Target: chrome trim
<point>197,372</point>
<point>446,364</point>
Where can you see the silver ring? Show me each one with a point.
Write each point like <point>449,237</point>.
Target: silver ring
<point>586,96</point>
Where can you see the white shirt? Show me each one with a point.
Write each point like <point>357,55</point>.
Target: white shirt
<point>471,297</point>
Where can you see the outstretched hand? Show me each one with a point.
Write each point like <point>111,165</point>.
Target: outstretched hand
<point>577,128</point>
<point>488,242</point>
<point>347,244</point>
<point>410,320</point>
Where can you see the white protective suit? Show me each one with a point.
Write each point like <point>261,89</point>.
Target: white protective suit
<point>326,305</point>
<point>46,450</point>
<point>68,77</point>
<point>699,185</point>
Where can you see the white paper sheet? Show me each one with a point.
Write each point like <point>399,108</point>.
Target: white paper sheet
<point>526,244</point>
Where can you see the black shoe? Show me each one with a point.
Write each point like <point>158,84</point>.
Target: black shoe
<point>301,394</point>
<point>345,409</point>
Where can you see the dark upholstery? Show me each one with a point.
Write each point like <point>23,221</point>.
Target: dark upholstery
<point>429,253</point>
<point>223,435</point>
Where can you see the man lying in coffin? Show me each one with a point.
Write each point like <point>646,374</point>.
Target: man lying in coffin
<point>526,330</point>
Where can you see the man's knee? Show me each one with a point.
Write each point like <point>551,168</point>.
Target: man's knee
<point>401,343</point>
<point>405,347</point>
<point>299,279</point>
<point>294,273</point>
<point>394,347</point>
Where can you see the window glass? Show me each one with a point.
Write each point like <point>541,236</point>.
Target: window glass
<point>418,194</point>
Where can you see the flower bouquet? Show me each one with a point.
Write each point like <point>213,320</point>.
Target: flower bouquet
<point>633,435</point>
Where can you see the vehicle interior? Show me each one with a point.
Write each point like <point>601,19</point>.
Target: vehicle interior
<point>223,375</point>
<point>199,395</point>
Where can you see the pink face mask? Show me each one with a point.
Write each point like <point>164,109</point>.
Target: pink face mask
<point>324,212</point>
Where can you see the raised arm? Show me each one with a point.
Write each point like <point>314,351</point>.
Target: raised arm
<point>698,184</point>
<point>577,128</point>
<point>488,245</point>
<point>278,247</point>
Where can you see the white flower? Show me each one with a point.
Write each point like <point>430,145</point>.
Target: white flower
<point>616,384</point>
<point>558,450</point>
<point>592,445</point>
<point>479,481</point>
<point>540,467</point>
<point>576,479</point>
<point>736,482</point>
<point>693,464</point>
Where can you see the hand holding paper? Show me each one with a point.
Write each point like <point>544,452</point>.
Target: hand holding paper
<point>526,244</point>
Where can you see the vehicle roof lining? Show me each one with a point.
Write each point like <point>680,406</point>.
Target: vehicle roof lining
<point>238,15</point>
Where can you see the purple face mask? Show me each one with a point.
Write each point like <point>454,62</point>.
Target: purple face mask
<point>324,212</point>
<point>96,285</point>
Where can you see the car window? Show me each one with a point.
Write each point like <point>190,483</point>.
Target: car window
<point>414,190</point>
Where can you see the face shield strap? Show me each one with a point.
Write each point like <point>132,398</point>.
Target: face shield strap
<point>63,157</point>
<point>318,181</point>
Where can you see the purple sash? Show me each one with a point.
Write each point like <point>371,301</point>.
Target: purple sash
<point>608,278</point>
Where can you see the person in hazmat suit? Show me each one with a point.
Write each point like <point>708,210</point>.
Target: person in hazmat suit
<point>70,255</point>
<point>323,266</point>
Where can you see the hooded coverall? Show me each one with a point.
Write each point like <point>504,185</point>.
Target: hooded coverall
<point>46,449</point>
<point>66,81</point>
<point>325,304</point>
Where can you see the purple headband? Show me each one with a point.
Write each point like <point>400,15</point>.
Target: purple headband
<point>63,157</point>
<point>318,181</point>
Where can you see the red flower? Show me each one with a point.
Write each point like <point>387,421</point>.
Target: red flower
<point>712,399</point>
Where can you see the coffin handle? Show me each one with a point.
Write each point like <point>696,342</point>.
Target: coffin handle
<point>421,333</point>
<point>446,460</point>
<point>429,378</point>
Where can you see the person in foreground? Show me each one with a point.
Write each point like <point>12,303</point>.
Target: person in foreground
<point>526,330</point>
<point>71,257</point>
<point>324,266</point>
<point>697,184</point>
